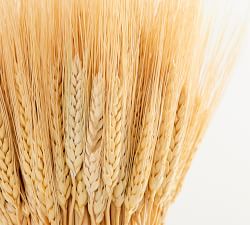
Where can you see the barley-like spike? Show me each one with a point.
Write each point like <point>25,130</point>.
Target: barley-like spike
<point>23,125</point>
<point>47,204</point>
<point>46,200</point>
<point>119,189</point>
<point>140,174</point>
<point>74,144</point>
<point>81,192</point>
<point>9,180</point>
<point>94,141</point>
<point>112,152</point>
<point>197,128</point>
<point>112,155</point>
<point>178,134</point>
<point>62,175</point>
<point>163,140</point>
<point>94,137</point>
<point>74,119</point>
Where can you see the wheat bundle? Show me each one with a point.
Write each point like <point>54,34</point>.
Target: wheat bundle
<point>102,106</point>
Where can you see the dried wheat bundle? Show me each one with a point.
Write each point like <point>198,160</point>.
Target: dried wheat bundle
<point>103,105</point>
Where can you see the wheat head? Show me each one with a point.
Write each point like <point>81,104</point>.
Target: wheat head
<point>9,181</point>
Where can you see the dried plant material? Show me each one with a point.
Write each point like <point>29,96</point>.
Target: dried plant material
<point>74,122</point>
<point>74,130</point>
<point>178,133</point>
<point>23,124</point>
<point>141,166</point>
<point>62,176</point>
<point>94,146</point>
<point>9,178</point>
<point>103,105</point>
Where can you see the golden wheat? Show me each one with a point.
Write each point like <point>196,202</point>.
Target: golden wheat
<point>103,105</point>
<point>140,172</point>
<point>9,179</point>
<point>163,140</point>
<point>47,204</point>
<point>62,176</point>
<point>111,162</point>
<point>74,121</point>
<point>94,146</point>
<point>23,126</point>
<point>112,154</point>
<point>176,144</point>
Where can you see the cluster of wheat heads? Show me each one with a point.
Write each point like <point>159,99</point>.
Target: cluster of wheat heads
<point>102,107</point>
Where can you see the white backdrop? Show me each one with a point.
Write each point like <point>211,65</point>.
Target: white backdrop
<point>217,188</point>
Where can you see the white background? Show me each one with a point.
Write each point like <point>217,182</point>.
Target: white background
<point>217,188</point>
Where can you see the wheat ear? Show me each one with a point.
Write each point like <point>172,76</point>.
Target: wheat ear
<point>163,141</point>
<point>9,180</point>
<point>178,134</point>
<point>62,176</point>
<point>170,103</point>
<point>195,132</point>
<point>74,119</point>
<point>119,189</point>
<point>94,143</point>
<point>112,154</point>
<point>40,181</point>
<point>81,192</point>
<point>141,167</point>
<point>74,125</point>
<point>47,204</point>
<point>23,125</point>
